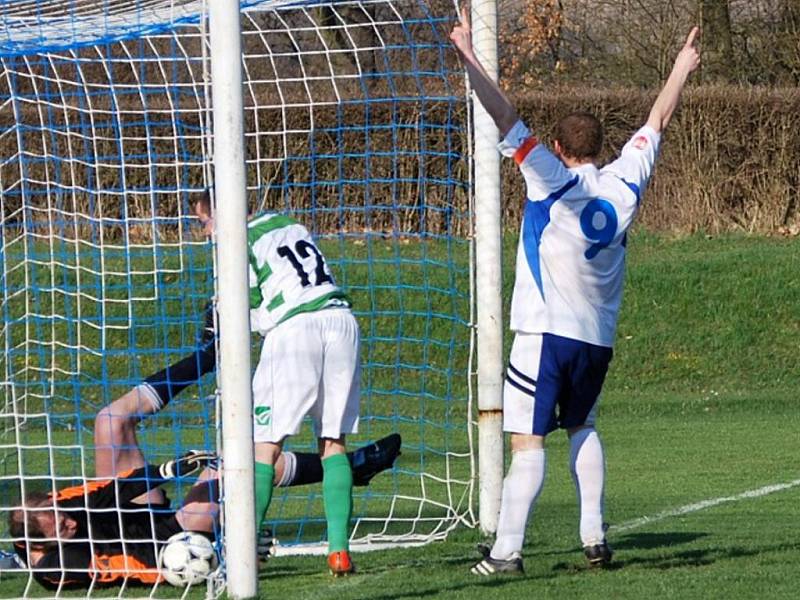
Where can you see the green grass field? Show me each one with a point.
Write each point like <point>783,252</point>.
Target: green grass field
<point>700,408</point>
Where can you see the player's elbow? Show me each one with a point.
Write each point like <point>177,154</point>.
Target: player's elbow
<point>506,120</point>
<point>657,122</point>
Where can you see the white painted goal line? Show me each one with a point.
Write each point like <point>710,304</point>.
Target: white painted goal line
<point>368,545</point>
<point>702,505</point>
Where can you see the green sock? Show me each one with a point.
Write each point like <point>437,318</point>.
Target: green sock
<point>337,494</point>
<point>264,476</point>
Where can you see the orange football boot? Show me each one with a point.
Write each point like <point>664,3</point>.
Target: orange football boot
<point>340,564</point>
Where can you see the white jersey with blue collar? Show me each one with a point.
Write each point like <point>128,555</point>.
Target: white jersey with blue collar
<point>571,254</point>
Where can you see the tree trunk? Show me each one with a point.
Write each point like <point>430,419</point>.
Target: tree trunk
<point>718,58</point>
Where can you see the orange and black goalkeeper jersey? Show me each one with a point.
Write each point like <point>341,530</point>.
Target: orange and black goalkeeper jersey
<point>116,539</point>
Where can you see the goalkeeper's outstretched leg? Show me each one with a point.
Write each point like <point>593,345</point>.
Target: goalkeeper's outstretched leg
<point>116,447</point>
<point>127,485</point>
<point>115,425</point>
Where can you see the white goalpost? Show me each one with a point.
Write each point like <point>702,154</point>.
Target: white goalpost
<point>349,115</point>
<point>489,284</point>
<point>235,391</point>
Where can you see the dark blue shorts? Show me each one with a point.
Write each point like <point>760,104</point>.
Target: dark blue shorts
<point>552,382</point>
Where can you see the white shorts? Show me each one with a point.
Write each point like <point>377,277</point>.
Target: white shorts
<point>552,382</point>
<point>309,365</point>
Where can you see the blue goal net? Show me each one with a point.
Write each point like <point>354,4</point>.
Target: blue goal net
<point>356,125</point>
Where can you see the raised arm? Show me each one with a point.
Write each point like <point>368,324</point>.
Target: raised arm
<point>489,93</point>
<point>687,61</point>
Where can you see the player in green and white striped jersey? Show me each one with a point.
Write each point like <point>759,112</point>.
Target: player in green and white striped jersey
<point>288,274</point>
<point>309,363</point>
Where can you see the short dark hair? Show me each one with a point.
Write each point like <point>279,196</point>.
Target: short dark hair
<point>580,135</point>
<point>37,505</point>
<point>204,201</point>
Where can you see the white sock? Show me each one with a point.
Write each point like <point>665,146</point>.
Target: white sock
<point>588,471</point>
<point>149,395</point>
<point>289,469</point>
<point>521,487</point>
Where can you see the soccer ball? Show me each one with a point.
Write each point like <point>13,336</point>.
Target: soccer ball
<point>187,558</point>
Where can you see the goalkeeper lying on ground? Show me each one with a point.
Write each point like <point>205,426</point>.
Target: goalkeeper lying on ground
<point>110,530</point>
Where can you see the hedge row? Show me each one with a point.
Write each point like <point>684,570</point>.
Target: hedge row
<point>729,161</point>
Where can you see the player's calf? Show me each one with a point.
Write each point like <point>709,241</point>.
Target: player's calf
<point>337,496</point>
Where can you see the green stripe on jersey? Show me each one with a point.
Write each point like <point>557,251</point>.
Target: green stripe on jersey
<point>256,229</point>
<point>262,274</point>
<point>275,302</point>
<point>256,297</point>
<point>318,304</point>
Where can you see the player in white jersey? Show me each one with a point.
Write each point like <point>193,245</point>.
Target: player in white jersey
<point>567,293</point>
<point>309,363</point>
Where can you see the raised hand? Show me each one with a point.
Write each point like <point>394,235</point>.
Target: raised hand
<point>493,99</point>
<point>688,58</point>
<point>461,36</point>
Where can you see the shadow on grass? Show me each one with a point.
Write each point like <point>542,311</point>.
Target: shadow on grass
<point>688,558</point>
<point>646,541</point>
<point>699,558</point>
<point>676,560</point>
<point>493,583</point>
<point>275,569</point>
<point>642,541</point>
<point>453,562</point>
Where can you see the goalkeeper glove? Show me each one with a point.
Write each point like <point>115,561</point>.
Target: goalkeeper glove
<point>187,464</point>
<point>208,333</point>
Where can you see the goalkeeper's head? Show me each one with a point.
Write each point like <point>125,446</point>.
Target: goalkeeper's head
<point>39,523</point>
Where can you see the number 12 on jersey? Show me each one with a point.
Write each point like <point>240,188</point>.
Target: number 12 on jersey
<point>304,249</point>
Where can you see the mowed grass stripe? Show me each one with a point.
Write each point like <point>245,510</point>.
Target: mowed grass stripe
<point>700,404</point>
<point>704,504</point>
